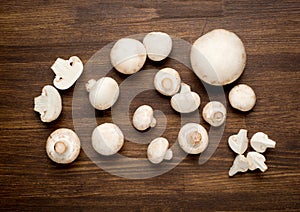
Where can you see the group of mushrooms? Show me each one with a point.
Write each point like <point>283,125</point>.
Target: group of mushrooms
<point>218,58</point>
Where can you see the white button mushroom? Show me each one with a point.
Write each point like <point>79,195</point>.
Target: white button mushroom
<point>240,164</point>
<point>167,81</point>
<point>48,104</point>
<point>158,150</point>
<point>107,139</point>
<point>103,93</point>
<point>260,142</point>
<point>143,118</point>
<point>239,142</point>
<point>185,101</point>
<point>214,113</point>
<point>193,138</point>
<point>242,97</point>
<point>218,57</point>
<point>158,45</point>
<point>67,72</point>
<point>128,55</point>
<point>256,161</point>
<point>63,146</point>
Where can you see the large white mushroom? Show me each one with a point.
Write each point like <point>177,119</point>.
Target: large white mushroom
<point>158,45</point>
<point>158,150</point>
<point>63,146</point>
<point>107,139</point>
<point>143,118</point>
<point>167,81</point>
<point>128,55</point>
<point>193,138</point>
<point>103,93</point>
<point>218,57</point>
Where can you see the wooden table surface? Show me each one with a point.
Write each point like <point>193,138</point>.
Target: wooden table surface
<point>35,33</point>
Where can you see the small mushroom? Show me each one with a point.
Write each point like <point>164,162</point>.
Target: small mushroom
<point>128,55</point>
<point>158,150</point>
<point>143,118</point>
<point>185,101</point>
<point>214,113</point>
<point>103,93</point>
<point>193,138</point>
<point>107,139</point>
<point>239,142</point>
<point>48,104</point>
<point>63,146</point>
<point>167,81</point>
<point>67,72</point>
<point>260,142</point>
<point>242,97</point>
<point>256,161</point>
<point>240,164</point>
<point>218,57</point>
<point>158,45</point>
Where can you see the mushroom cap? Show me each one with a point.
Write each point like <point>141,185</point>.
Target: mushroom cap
<point>157,150</point>
<point>63,146</point>
<point>218,57</point>
<point>242,97</point>
<point>48,104</point>
<point>103,93</point>
<point>67,72</point>
<point>214,113</point>
<point>107,139</point>
<point>143,118</point>
<point>158,45</point>
<point>256,161</point>
<point>167,81</point>
<point>185,101</point>
<point>239,142</point>
<point>128,55</point>
<point>193,138</point>
<point>260,142</point>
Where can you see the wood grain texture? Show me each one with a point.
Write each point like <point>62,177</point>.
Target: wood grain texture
<point>35,33</point>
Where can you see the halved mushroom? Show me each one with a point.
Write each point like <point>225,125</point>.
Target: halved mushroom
<point>260,142</point>
<point>107,139</point>
<point>185,101</point>
<point>158,45</point>
<point>158,150</point>
<point>143,118</point>
<point>240,164</point>
<point>63,146</point>
<point>193,138</point>
<point>167,81</point>
<point>48,104</point>
<point>239,142</point>
<point>67,72</point>
<point>128,55</point>
<point>256,161</point>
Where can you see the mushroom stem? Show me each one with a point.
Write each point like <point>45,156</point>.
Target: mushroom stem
<point>90,84</point>
<point>168,155</point>
<point>218,116</point>
<point>60,147</point>
<point>153,123</point>
<point>167,83</point>
<point>40,103</point>
<point>195,138</point>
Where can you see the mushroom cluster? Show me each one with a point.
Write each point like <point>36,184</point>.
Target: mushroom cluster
<point>218,58</point>
<point>254,160</point>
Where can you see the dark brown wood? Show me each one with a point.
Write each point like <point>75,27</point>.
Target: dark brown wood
<point>35,33</point>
